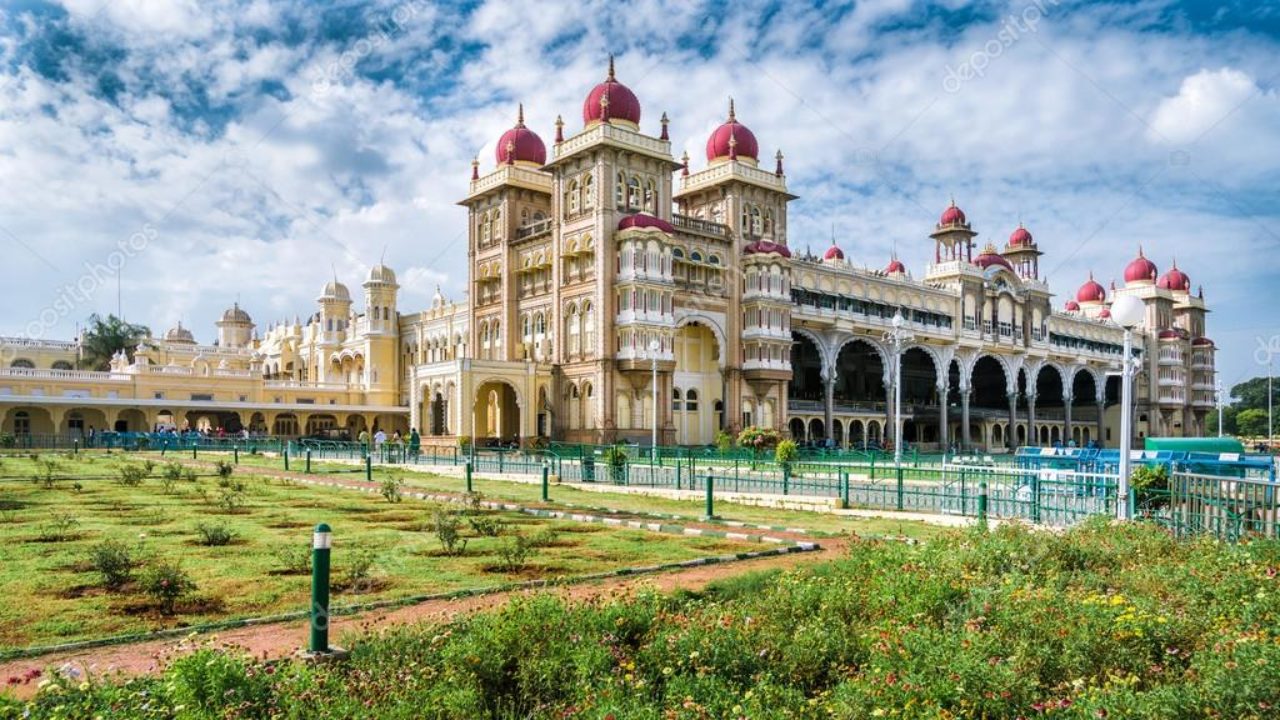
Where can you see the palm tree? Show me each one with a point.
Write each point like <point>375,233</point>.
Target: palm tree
<point>103,338</point>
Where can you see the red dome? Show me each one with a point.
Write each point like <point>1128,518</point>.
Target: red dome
<point>520,144</point>
<point>1174,279</point>
<point>952,216</point>
<point>1021,237</point>
<point>1091,291</point>
<point>895,266</point>
<point>1202,342</point>
<point>1170,334</point>
<point>1140,269</point>
<point>1072,306</point>
<point>732,139</point>
<point>641,220</point>
<point>833,253</point>
<point>765,247</point>
<point>1106,313</point>
<point>990,257</point>
<point>611,100</point>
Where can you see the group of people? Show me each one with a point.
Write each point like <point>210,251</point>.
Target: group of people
<point>380,438</point>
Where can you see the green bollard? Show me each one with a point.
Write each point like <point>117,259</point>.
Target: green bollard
<point>320,543</point>
<point>678,466</point>
<point>194,449</point>
<point>368,469</point>
<point>711,514</point>
<point>982,504</point>
<point>786,478</point>
<point>307,464</point>
<point>286,458</point>
<point>844,490</point>
<point>466,471</point>
<point>75,447</point>
<point>235,454</point>
<point>900,488</point>
<point>1035,498</point>
<point>873,468</point>
<point>546,484</point>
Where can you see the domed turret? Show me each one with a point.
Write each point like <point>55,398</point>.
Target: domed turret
<point>611,102</point>
<point>235,329</point>
<point>952,216</point>
<point>1021,237</point>
<point>1091,292</point>
<point>334,290</point>
<point>895,267</point>
<point>382,274</point>
<point>1140,270</point>
<point>990,257</point>
<point>179,334</point>
<point>1072,306</point>
<point>732,141</point>
<point>833,253</point>
<point>1175,280</point>
<point>520,145</point>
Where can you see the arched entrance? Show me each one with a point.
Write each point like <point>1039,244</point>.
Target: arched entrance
<point>699,383</point>
<point>286,425</point>
<point>496,413</point>
<point>990,395</point>
<point>817,432</point>
<point>919,397</point>
<point>1084,406</point>
<point>860,375</point>
<point>806,370</point>
<point>796,427</point>
<point>438,408</point>
<point>1049,402</point>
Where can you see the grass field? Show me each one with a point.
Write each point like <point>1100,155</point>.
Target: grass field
<point>382,550</point>
<point>528,493</point>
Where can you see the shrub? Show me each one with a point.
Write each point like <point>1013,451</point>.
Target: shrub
<point>724,441</point>
<point>514,552</point>
<point>759,439</point>
<point>359,570</point>
<point>545,537</point>
<point>214,534</point>
<point>231,500</point>
<point>225,469</point>
<point>295,558</point>
<point>165,582</point>
<point>487,526</point>
<point>77,486</point>
<point>47,469</point>
<point>172,471</point>
<point>189,475</point>
<point>148,465</point>
<point>474,501</point>
<point>60,527</point>
<point>7,440</point>
<point>112,560</point>
<point>209,682</point>
<point>390,488</point>
<point>1150,486</point>
<point>614,456</point>
<point>786,452</point>
<point>448,529</point>
<point>131,475</point>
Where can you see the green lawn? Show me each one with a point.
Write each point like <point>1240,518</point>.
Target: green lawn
<point>53,594</point>
<point>530,493</point>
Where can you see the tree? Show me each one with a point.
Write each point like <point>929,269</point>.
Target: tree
<point>1252,394</point>
<point>1252,422</point>
<point>103,338</point>
<point>1228,420</point>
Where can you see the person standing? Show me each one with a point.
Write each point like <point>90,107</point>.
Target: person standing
<point>415,442</point>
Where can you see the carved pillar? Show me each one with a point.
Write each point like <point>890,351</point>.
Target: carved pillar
<point>829,399</point>
<point>942,418</point>
<point>1011,433</point>
<point>1101,436</point>
<point>964,417</point>
<point>1032,437</point>
<point>1066,423</point>
<point>890,422</point>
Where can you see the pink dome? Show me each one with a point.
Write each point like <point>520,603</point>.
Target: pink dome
<point>833,253</point>
<point>732,139</point>
<point>1021,237</point>
<point>1091,292</point>
<point>952,216</point>
<point>895,266</point>
<point>1140,269</point>
<point>520,144</point>
<point>1202,342</point>
<point>1072,306</point>
<point>1174,279</point>
<point>641,220</point>
<point>1170,334</point>
<point>611,100</point>
<point>764,247</point>
<point>1106,313</point>
<point>990,257</point>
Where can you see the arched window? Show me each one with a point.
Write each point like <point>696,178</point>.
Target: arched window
<point>497,223</point>
<point>691,401</point>
<point>588,326</point>
<point>572,197</point>
<point>22,363</point>
<point>676,404</point>
<point>650,197</point>
<point>633,193</point>
<point>527,325</point>
<point>768,222</point>
<point>620,191</point>
<point>756,225</point>
<point>588,192</point>
<point>61,365</point>
<point>539,324</point>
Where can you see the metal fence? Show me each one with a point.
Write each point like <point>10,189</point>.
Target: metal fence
<point>1230,509</point>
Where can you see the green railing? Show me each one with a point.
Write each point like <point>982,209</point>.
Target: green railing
<point>1230,509</point>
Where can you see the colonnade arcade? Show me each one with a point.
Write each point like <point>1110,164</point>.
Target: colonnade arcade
<point>841,393</point>
<point>74,420</point>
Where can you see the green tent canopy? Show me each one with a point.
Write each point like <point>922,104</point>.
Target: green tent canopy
<point>1204,445</point>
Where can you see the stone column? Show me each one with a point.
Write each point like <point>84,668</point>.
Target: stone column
<point>1011,433</point>
<point>890,422</point>
<point>964,418</point>
<point>1066,420</point>
<point>1032,437</point>
<point>829,399</point>
<point>942,417</point>
<point>1102,433</point>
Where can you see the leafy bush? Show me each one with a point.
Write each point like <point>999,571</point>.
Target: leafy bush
<point>786,452</point>
<point>759,439</point>
<point>448,529</point>
<point>46,477</point>
<point>207,681</point>
<point>131,475</point>
<point>487,526</point>
<point>113,560</point>
<point>514,552</point>
<point>166,583</point>
<point>214,534</point>
<point>545,537</point>
<point>231,499</point>
<point>474,501</point>
<point>1150,485</point>
<point>295,558</point>
<point>225,469</point>
<point>60,527</point>
<point>724,441</point>
<point>390,488</point>
<point>614,456</point>
<point>7,440</point>
<point>358,572</point>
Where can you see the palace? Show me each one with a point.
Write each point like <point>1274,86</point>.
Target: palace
<point>612,287</point>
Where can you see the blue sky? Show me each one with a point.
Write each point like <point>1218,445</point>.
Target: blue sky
<point>248,149</point>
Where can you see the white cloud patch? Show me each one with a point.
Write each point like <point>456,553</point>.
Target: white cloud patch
<point>1204,99</point>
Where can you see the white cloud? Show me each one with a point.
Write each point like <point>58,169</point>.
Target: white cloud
<point>1203,100</point>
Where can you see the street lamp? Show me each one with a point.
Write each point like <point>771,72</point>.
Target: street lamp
<point>654,347</point>
<point>1127,311</point>
<point>896,337</point>
<point>1217,392</point>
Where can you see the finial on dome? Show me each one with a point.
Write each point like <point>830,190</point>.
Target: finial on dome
<point>511,152</point>
<point>520,115</point>
<point>665,121</point>
<point>778,170</point>
<point>610,76</point>
<point>604,97</point>
<point>733,145</point>
<point>684,160</point>
<point>559,129</point>
<point>732,116</point>
<point>1140,250</point>
<point>953,200</point>
<point>1200,291</point>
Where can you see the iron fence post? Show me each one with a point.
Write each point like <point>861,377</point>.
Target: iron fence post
<point>901,489</point>
<point>982,504</point>
<point>710,508</point>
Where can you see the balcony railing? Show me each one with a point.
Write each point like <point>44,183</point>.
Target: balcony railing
<point>698,225</point>
<point>533,229</point>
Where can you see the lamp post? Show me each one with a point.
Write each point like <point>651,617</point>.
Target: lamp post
<point>654,347</point>
<point>1217,392</point>
<point>896,337</point>
<point>1127,312</point>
